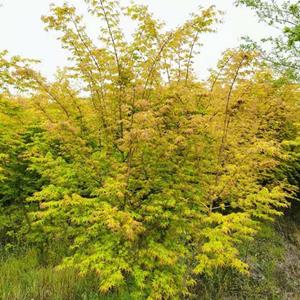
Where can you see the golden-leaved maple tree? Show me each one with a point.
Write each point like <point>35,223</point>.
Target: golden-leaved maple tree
<point>148,176</point>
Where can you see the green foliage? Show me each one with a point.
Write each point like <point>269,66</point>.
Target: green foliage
<point>284,17</point>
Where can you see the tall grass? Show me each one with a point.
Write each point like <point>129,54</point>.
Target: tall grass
<point>22,278</point>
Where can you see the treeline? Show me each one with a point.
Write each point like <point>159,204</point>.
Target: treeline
<point>129,173</point>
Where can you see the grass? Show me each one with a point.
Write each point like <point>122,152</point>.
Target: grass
<point>22,278</point>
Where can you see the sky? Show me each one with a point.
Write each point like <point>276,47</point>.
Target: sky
<point>22,31</point>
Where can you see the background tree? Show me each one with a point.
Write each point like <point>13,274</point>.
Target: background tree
<point>284,17</point>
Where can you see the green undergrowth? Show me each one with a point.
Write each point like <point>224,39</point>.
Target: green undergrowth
<point>274,273</point>
<point>274,267</point>
<point>23,278</point>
